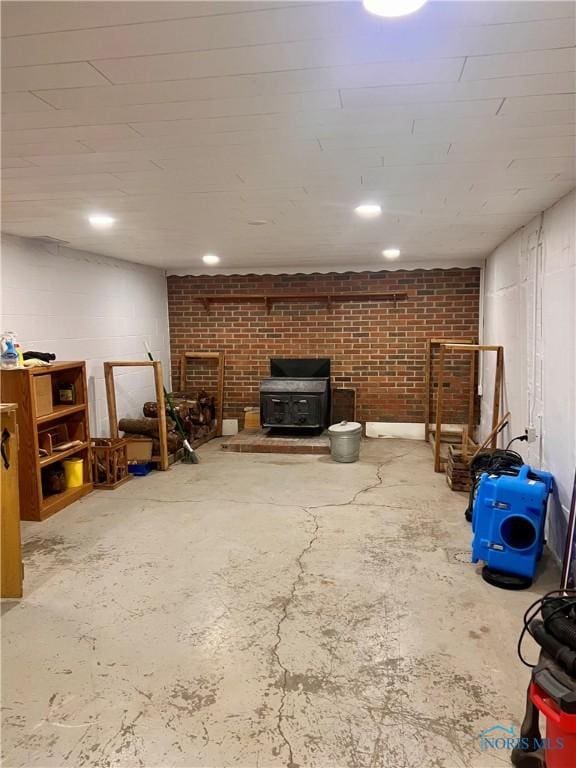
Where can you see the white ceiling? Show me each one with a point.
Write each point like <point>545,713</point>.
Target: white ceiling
<point>189,120</point>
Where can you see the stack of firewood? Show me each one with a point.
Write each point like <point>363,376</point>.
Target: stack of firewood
<point>196,414</point>
<point>457,470</point>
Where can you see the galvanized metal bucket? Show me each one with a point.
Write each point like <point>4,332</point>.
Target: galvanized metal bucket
<point>345,441</point>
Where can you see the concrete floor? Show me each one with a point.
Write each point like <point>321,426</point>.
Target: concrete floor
<point>262,611</point>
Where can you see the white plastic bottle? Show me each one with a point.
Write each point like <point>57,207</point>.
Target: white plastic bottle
<point>8,353</point>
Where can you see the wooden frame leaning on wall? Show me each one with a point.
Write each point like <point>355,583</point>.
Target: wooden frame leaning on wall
<point>219,357</point>
<point>162,459</point>
<point>436,435</point>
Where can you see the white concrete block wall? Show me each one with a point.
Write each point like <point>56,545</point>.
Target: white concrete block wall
<point>83,306</point>
<point>530,308</point>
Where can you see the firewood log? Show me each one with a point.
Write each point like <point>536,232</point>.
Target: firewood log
<point>143,426</point>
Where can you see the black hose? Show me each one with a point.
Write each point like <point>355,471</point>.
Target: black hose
<point>534,610</point>
<point>497,462</point>
<point>562,627</point>
<point>559,652</point>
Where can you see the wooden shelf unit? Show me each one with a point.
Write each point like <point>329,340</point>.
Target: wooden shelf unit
<point>59,455</point>
<point>61,412</point>
<point>18,386</point>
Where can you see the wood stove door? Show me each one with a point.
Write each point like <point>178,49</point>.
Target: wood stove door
<point>305,410</point>
<point>276,410</point>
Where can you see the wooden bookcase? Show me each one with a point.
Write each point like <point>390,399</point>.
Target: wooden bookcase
<point>21,386</point>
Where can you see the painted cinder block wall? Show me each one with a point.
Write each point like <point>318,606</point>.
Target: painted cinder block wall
<point>83,306</point>
<point>530,308</point>
<point>376,347</point>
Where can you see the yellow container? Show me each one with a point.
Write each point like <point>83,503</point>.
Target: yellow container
<point>74,472</point>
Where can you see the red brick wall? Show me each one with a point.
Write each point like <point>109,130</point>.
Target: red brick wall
<point>376,347</point>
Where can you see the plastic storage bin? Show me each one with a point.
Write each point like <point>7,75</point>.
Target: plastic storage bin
<point>140,468</point>
<point>74,472</point>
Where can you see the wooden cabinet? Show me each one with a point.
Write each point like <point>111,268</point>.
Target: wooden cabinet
<point>46,425</point>
<point>11,550</point>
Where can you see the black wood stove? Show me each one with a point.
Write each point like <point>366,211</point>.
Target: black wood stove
<point>297,395</point>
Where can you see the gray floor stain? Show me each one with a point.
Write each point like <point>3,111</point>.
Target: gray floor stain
<point>56,550</point>
<point>258,612</point>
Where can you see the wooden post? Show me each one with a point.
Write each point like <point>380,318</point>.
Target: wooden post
<point>162,428</point>
<point>497,394</point>
<point>427,380</point>
<point>111,399</point>
<point>183,359</point>
<point>465,441</point>
<point>439,408</point>
<point>220,395</point>
<point>472,393</point>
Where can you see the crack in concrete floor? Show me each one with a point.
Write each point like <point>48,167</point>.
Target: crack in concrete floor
<point>278,643</point>
<point>284,616</point>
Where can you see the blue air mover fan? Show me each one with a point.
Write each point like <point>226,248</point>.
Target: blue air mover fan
<point>508,524</point>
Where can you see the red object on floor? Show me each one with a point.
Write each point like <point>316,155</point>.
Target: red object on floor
<point>560,730</point>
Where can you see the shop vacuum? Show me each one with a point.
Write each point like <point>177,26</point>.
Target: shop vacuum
<point>508,519</point>
<point>551,622</point>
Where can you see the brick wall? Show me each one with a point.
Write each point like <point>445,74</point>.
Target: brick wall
<point>376,347</point>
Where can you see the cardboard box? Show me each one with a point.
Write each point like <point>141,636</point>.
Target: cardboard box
<point>251,418</point>
<point>43,394</point>
<point>139,448</point>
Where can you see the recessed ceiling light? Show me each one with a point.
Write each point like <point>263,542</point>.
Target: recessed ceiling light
<point>391,253</point>
<point>258,222</point>
<point>368,210</point>
<point>101,220</point>
<point>393,8</point>
<point>211,259</point>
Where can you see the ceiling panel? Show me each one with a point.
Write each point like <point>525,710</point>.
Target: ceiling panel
<point>480,12</point>
<point>294,81</point>
<point>231,61</point>
<point>73,133</point>
<point>540,104</point>
<point>23,101</point>
<point>258,105</point>
<point>260,27</point>
<point>188,120</point>
<point>31,149</point>
<point>81,74</point>
<point>516,64</point>
<point>406,44</point>
<point>505,87</point>
<point>28,18</point>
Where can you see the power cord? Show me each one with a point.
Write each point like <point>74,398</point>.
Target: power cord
<point>533,610</point>
<point>520,437</point>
